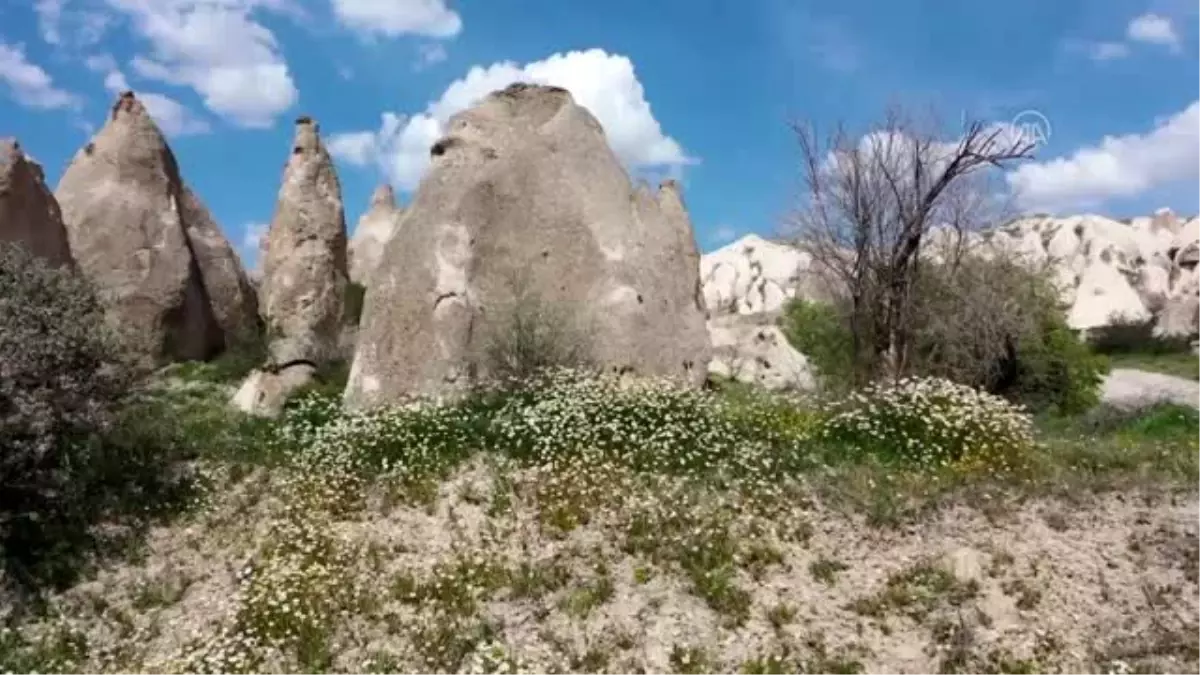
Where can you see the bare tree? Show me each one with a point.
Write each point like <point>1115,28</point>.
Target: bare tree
<point>873,203</point>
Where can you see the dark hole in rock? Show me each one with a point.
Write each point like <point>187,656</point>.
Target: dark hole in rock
<point>639,299</point>
<point>297,150</point>
<point>89,149</point>
<point>442,146</point>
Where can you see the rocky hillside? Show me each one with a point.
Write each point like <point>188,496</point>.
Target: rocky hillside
<point>1106,269</point>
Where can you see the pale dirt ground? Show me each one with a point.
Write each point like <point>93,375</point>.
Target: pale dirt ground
<point>1100,584</point>
<point>1127,387</point>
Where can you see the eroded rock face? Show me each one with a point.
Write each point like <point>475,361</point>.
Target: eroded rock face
<point>29,214</point>
<point>757,352</point>
<point>304,260</point>
<point>122,204</point>
<point>524,197</point>
<point>233,298</point>
<point>375,228</point>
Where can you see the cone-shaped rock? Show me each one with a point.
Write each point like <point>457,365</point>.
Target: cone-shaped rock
<point>121,199</point>
<point>525,198</point>
<point>29,214</point>
<point>304,267</point>
<point>372,233</point>
<point>233,298</point>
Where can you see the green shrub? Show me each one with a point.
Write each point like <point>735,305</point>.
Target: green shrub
<point>651,426</point>
<point>1053,370</point>
<point>995,323</point>
<point>76,446</point>
<point>930,423</point>
<point>1131,336</point>
<point>820,332</point>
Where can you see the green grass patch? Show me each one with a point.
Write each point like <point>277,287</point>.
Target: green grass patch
<point>1179,364</point>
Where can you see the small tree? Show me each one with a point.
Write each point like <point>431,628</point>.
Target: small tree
<point>528,335</point>
<point>871,207</point>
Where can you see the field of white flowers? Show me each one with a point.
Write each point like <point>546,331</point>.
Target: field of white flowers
<point>584,524</point>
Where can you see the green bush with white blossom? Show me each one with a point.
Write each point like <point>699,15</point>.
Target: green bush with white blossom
<point>931,423</point>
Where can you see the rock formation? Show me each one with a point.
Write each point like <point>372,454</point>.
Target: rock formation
<point>754,350</point>
<point>1106,270</point>
<point>233,298</point>
<point>304,263</point>
<point>129,220</point>
<point>525,198</point>
<point>29,214</point>
<point>746,285</point>
<point>375,228</point>
<point>303,285</point>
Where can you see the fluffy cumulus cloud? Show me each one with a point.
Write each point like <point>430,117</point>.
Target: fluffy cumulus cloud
<point>28,83</point>
<point>1119,166</point>
<point>63,24</point>
<point>172,117</point>
<point>390,18</point>
<point>1154,29</point>
<point>604,83</point>
<point>217,48</point>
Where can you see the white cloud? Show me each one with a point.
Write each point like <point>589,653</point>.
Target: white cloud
<point>28,83</point>
<point>724,234</point>
<point>251,244</point>
<point>63,26</point>
<point>1154,29</point>
<point>49,14</point>
<point>391,18</point>
<point>603,83</point>
<point>1120,166</point>
<point>171,116</point>
<point>1107,51</point>
<point>217,48</point>
<point>430,54</point>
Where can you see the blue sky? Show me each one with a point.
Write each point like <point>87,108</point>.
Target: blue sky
<point>698,89</point>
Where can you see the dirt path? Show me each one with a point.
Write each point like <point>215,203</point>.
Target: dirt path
<point>1126,387</point>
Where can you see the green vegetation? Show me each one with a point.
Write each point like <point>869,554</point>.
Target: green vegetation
<point>1179,364</point>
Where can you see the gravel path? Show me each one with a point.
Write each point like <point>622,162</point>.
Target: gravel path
<point>1126,387</point>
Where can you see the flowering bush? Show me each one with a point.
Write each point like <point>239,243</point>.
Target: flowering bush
<point>647,425</point>
<point>933,423</point>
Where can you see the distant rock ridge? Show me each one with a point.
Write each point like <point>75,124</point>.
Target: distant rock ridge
<point>29,213</point>
<point>171,280</point>
<point>524,197</point>
<point>375,228</point>
<point>1142,269</point>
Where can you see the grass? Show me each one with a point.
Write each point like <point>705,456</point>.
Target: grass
<point>1185,365</point>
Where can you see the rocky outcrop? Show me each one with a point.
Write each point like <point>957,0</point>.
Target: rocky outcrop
<point>233,298</point>
<point>524,197</point>
<point>1143,269</point>
<point>29,214</point>
<point>747,284</point>
<point>375,228</point>
<point>265,392</point>
<point>123,204</point>
<point>304,261</point>
<point>754,350</point>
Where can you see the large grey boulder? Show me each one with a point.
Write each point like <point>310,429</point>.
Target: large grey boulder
<point>375,228</point>
<point>29,214</point>
<point>524,197</point>
<point>121,199</point>
<point>304,262</point>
